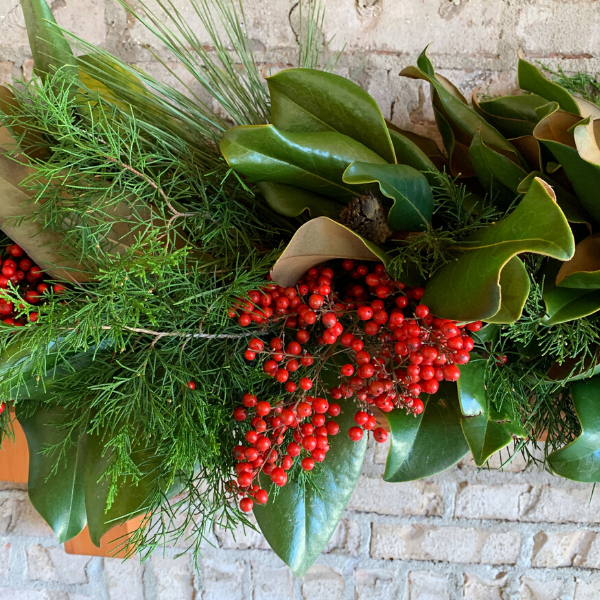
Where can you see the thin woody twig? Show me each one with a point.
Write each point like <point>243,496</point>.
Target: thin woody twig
<point>161,334</point>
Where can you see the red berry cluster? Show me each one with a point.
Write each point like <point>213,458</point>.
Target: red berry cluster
<point>19,271</point>
<point>392,360</point>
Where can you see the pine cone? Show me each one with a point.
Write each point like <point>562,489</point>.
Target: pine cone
<point>367,216</point>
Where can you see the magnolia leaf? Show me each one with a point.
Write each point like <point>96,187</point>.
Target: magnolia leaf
<point>458,152</point>
<point>134,490</point>
<point>556,133</point>
<point>486,430</point>
<point>409,189</point>
<point>530,150</point>
<point>515,286</point>
<point>56,479</point>
<point>308,100</point>
<point>41,244</point>
<point>569,204</point>
<point>580,460</point>
<point>512,116</point>
<point>293,201</point>
<point>300,519</point>
<point>498,174</point>
<point>314,161</point>
<point>583,270</point>
<point>567,304</point>
<point>488,333</point>
<point>572,369</point>
<point>463,120</point>
<point>530,78</point>
<point>418,152</point>
<point>428,443</point>
<point>468,289</point>
<point>318,241</point>
<point>50,49</point>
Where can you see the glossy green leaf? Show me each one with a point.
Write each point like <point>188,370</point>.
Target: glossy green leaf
<point>486,430</point>
<point>488,333</point>
<point>413,200</point>
<point>468,289</point>
<point>580,460</point>
<point>567,304</point>
<point>300,519</point>
<point>512,116</point>
<point>56,481</point>
<point>429,443</point>
<point>308,100</point>
<point>583,270</point>
<point>293,201</point>
<point>463,120</point>
<point>569,204</point>
<point>572,370</point>
<point>530,78</point>
<point>50,49</point>
<point>320,240</point>
<point>409,152</point>
<point>514,286</point>
<point>556,133</point>
<point>498,174</point>
<point>135,489</point>
<point>314,161</point>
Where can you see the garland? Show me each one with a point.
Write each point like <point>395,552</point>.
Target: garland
<point>448,297</point>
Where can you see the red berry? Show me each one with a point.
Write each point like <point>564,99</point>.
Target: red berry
<point>449,329</point>
<point>279,477</point>
<point>308,464</point>
<point>191,385</point>
<point>305,383</point>
<point>365,313</point>
<point>451,373</point>
<point>380,435</point>
<point>476,326</point>
<point>239,414</point>
<point>332,428</point>
<point>249,400</point>
<point>361,417</point>
<point>355,433</point>
<point>245,479</point>
<point>320,405</point>
<point>15,250</point>
<point>263,408</point>
<point>417,406</point>
<point>309,442</point>
<point>318,455</point>
<point>2,407</point>
<point>261,496</point>
<point>293,449</point>
<point>256,345</point>
<point>421,311</point>
<point>334,409</point>
<point>318,420</point>
<point>430,386</point>
<point>304,410</point>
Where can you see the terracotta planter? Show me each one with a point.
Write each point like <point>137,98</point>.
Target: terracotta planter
<point>82,544</point>
<point>14,456</point>
<point>14,467</point>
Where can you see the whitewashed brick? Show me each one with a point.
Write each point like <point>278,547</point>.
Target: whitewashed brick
<point>587,590</point>
<point>18,517</point>
<point>272,584</point>
<point>54,564</point>
<point>124,579</point>
<point>222,580</point>
<point>495,462</point>
<point>6,68</point>
<point>559,505</point>
<point>4,557</point>
<point>560,549</point>
<point>427,585</point>
<point>375,584</point>
<point>345,538</point>
<point>489,501</point>
<point>174,579</point>
<point>322,582</point>
<point>449,544</point>
<point>241,538</point>
<point>85,18</point>
<point>476,588</point>
<point>534,589</point>
<point>412,498</point>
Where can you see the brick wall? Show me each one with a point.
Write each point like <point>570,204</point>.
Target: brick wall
<point>465,534</point>
<point>475,535</point>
